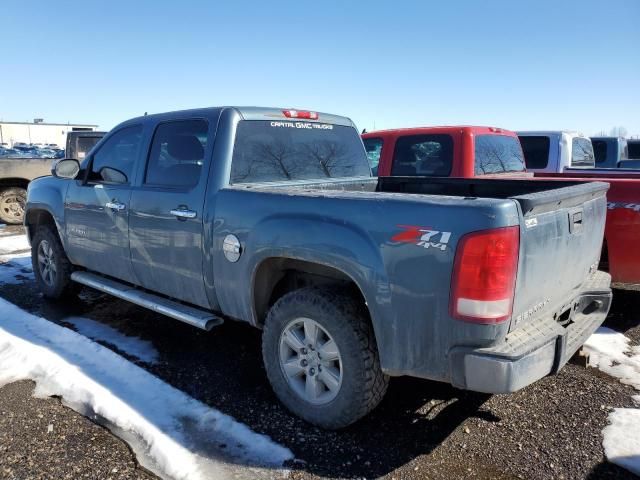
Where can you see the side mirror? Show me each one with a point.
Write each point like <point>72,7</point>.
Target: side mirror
<point>112,175</point>
<point>66,168</point>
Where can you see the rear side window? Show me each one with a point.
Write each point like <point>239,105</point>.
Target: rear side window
<point>373,146</point>
<point>177,153</point>
<point>274,151</point>
<point>633,149</point>
<point>600,150</point>
<point>423,155</point>
<point>536,151</point>
<point>582,153</point>
<point>498,154</point>
<point>118,152</point>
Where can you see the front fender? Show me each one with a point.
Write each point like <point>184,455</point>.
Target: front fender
<point>47,194</point>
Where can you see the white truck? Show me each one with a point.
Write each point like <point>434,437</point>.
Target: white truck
<point>555,151</point>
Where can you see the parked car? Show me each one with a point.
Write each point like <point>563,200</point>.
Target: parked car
<point>609,151</point>
<point>456,151</point>
<point>21,165</point>
<point>271,216</point>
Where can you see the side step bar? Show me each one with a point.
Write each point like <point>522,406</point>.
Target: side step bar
<point>191,315</point>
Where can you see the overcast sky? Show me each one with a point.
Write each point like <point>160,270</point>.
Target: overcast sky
<point>518,65</point>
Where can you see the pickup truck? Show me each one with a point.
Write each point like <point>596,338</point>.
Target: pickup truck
<point>556,151</point>
<point>16,173</point>
<point>548,155</point>
<point>271,217</point>
<point>456,151</point>
<point>609,151</point>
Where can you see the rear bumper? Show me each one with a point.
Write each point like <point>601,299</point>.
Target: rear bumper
<point>534,350</point>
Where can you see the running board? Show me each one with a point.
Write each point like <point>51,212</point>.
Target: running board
<point>191,315</point>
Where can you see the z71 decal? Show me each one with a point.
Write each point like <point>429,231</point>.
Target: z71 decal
<point>425,237</point>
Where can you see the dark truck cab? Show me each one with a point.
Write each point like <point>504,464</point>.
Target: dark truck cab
<point>271,217</point>
<point>16,173</point>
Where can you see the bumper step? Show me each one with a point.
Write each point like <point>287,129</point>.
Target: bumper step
<point>185,313</point>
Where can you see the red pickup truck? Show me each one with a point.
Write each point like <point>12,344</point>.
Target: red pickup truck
<point>444,152</point>
<point>469,151</point>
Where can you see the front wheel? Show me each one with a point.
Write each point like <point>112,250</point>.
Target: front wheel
<point>321,358</point>
<point>12,202</point>
<point>51,267</point>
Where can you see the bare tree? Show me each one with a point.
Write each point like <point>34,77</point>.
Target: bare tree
<point>618,132</point>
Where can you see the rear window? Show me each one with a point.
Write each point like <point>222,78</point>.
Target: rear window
<point>273,151</point>
<point>498,154</point>
<point>536,151</point>
<point>423,155</point>
<point>582,152</point>
<point>600,150</point>
<point>633,149</point>
<point>373,146</point>
<point>84,145</point>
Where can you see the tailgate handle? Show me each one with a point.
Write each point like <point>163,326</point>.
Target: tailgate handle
<point>575,221</point>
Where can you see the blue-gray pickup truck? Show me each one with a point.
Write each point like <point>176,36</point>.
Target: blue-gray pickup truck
<point>272,217</point>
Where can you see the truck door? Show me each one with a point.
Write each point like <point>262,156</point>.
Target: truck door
<point>165,221</point>
<point>97,207</point>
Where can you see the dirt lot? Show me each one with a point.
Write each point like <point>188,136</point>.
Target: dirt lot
<point>422,429</point>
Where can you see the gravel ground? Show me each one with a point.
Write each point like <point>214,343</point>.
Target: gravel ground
<point>40,438</point>
<point>422,429</point>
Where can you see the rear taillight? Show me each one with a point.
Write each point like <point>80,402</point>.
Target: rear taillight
<point>304,114</point>
<point>484,275</point>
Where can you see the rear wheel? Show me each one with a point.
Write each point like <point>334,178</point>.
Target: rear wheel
<point>321,358</point>
<point>12,202</point>
<point>51,267</point>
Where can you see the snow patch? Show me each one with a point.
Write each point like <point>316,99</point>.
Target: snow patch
<point>173,434</point>
<point>14,243</point>
<point>610,351</point>
<point>134,346</point>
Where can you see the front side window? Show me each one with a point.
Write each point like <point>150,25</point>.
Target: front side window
<point>119,152</point>
<point>582,153</point>
<point>498,154</point>
<point>177,154</point>
<point>536,151</point>
<point>274,151</point>
<point>373,146</point>
<point>423,155</point>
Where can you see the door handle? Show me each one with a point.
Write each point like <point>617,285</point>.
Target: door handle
<point>115,205</point>
<point>183,213</point>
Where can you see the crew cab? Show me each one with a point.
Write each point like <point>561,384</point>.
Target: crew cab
<point>16,173</point>
<point>454,151</point>
<point>271,217</point>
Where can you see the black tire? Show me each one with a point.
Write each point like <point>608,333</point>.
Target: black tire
<point>58,285</point>
<point>363,383</point>
<point>12,202</point>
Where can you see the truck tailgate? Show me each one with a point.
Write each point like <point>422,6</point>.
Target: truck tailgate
<point>560,245</point>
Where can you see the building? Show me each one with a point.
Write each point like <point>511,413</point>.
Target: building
<point>39,132</point>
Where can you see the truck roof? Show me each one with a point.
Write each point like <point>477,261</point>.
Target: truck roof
<point>247,113</point>
<point>531,133</point>
<point>442,129</point>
